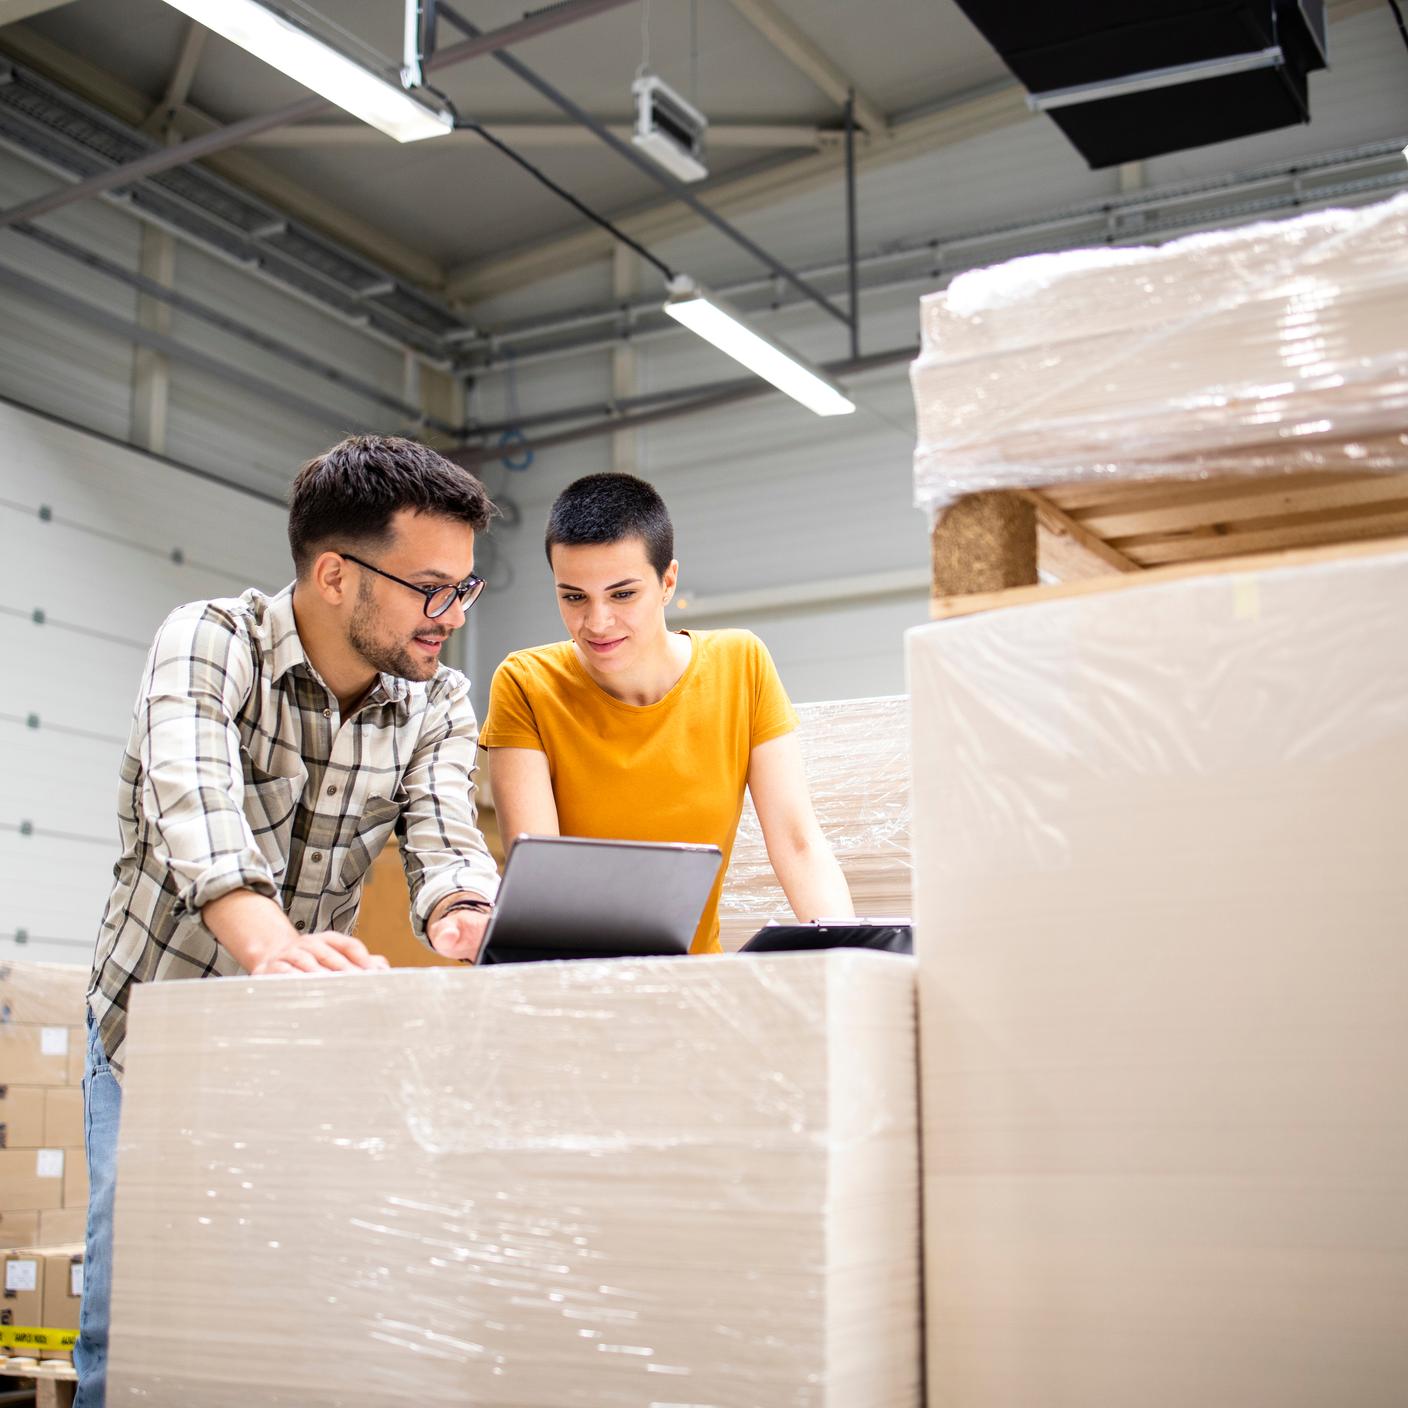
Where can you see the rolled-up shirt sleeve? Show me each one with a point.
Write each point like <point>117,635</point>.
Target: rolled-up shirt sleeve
<point>198,675</point>
<point>442,847</point>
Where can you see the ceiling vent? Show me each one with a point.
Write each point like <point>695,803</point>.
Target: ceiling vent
<point>668,129</point>
<point>1125,82</point>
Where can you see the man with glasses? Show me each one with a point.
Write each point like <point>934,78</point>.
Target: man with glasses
<point>276,744</point>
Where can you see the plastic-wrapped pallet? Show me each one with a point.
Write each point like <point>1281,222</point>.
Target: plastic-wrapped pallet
<point>688,1181</point>
<point>1160,919</point>
<point>1273,348</point>
<point>856,754</point>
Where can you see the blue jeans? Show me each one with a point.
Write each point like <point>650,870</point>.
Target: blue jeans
<point>102,1104</point>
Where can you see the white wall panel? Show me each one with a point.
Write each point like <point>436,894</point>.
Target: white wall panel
<point>65,366</point>
<point>90,536</point>
<point>68,369</point>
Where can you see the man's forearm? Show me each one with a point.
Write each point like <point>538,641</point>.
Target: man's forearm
<point>248,925</point>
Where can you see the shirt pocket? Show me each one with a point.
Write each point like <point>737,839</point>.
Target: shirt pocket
<point>270,806</point>
<point>373,830</point>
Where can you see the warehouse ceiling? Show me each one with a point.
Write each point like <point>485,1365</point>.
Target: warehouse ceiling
<point>435,209</point>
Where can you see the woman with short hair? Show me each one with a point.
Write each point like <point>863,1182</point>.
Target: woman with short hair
<point>629,730</point>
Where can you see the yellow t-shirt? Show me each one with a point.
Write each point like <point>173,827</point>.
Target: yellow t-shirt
<point>674,770</point>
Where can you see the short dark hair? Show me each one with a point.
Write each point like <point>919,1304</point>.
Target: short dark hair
<point>605,508</point>
<point>351,492</point>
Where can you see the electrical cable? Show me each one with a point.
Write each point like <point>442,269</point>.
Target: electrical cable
<point>517,453</point>
<point>644,68</point>
<point>1398,15</point>
<point>469,125</point>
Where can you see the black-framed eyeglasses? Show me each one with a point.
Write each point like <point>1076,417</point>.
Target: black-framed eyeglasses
<point>438,600</point>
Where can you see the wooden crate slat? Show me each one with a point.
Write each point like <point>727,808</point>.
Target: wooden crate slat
<point>1236,504</point>
<point>942,608</point>
<point>1084,499</point>
<point>1067,551</point>
<point>1327,529</point>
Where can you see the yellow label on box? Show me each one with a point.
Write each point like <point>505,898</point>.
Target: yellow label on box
<point>33,1337</point>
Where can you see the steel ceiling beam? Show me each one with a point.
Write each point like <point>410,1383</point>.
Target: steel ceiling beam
<point>774,136</point>
<point>794,45</point>
<point>273,393</point>
<point>165,158</point>
<point>731,394</point>
<point>677,188</point>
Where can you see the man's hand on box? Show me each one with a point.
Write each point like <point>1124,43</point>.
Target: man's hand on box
<point>257,932</point>
<point>324,952</point>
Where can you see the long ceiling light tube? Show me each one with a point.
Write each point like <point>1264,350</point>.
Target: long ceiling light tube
<point>712,319</point>
<point>308,60</point>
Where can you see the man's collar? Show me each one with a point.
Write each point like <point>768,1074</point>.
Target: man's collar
<point>286,648</point>
<point>286,651</point>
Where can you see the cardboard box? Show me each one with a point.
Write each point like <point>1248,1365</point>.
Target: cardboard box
<point>1161,898</point>
<point>63,1292</point>
<point>20,1229</point>
<point>577,1184</point>
<point>75,1178</point>
<point>22,1294</point>
<point>21,1116</point>
<point>43,994</point>
<point>77,1056</point>
<point>63,1117</point>
<point>32,1179</point>
<point>59,1226</point>
<point>42,1289</point>
<point>35,1055</point>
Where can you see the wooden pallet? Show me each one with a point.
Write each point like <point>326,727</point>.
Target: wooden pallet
<point>54,1380</point>
<point>1016,546</point>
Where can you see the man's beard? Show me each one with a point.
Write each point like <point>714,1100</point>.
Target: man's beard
<point>386,657</point>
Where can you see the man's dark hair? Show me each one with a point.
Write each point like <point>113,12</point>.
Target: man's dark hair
<point>605,508</point>
<point>350,493</point>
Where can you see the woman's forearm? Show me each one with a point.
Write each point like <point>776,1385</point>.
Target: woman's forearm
<point>812,881</point>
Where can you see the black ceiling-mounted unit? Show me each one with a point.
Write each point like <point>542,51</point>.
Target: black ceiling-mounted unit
<point>1126,80</point>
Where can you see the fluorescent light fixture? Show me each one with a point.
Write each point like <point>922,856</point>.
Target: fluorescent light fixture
<point>1156,78</point>
<point>307,60</point>
<point>704,313</point>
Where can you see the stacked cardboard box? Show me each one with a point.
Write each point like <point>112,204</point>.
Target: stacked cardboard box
<point>1160,903</point>
<point>856,753</point>
<point>43,1169</point>
<point>41,1297</point>
<point>1263,350</point>
<point>572,1184</point>
<point>42,1291</point>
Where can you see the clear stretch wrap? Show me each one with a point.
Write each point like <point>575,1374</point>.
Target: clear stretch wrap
<point>1273,348</point>
<point>1161,908</point>
<point>856,753</point>
<point>687,1182</point>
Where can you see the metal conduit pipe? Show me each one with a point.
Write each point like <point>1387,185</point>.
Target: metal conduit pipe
<point>485,454</point>
<point>1347,190</point>
<point>134,332</point>
<point>165,158</point>
<point>1101,211</point>
<point>243,331</point>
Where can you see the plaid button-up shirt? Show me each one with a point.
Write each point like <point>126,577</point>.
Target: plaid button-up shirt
<point>240,774</point>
